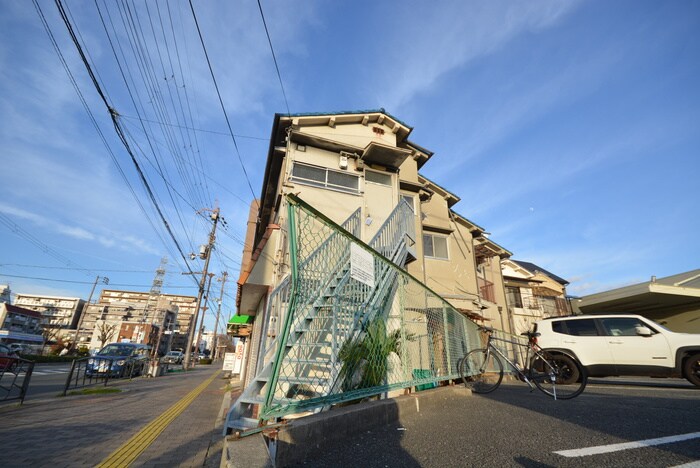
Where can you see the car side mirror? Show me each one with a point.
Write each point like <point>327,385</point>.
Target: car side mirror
<point>643,331</point>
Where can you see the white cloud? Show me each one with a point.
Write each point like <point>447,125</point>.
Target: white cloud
<point>125,242</point>
<point>441,38</point>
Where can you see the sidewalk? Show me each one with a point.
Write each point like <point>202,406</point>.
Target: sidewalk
<point>86,430</point>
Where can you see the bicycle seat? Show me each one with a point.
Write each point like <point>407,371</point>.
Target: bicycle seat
<point>530,334</point>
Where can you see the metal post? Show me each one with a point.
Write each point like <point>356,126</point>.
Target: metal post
<point>105,280</point>
<point>204,311</point>
<point>218,314</point>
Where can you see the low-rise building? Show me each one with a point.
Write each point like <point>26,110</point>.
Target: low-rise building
<point>19,325</point>
<point>532,293</point>
<point>60,314</point>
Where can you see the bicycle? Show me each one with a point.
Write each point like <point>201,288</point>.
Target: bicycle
<point>556,374</point>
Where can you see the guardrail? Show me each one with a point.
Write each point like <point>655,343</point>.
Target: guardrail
<point>15,378</point>
<point>89,371</point>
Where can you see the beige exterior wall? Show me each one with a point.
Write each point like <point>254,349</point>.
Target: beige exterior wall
<point>409,171</point>
<point>356,135</point>
<point>455,278</point>
<point>338,206</point>
<point>681,322</point>
<point>436,214</point>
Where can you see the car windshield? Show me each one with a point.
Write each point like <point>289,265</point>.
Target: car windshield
<point>173,353</point>
<point>116,350</point>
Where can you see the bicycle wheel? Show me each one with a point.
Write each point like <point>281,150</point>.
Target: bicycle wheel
<point>481,371</point>
<point>558,375</point>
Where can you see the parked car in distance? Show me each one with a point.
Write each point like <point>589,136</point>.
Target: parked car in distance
<point>613,345</point>
<point>173,357</point>
<point>20,348</point>
<point>8,358</point>
<point>119,360</point>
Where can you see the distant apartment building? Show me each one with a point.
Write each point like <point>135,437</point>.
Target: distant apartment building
<point>60,313</point>
<point>171,312</point>
<point>533,293</point>
<point>19,325</point>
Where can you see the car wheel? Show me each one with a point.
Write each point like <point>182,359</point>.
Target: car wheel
<point>691,369</point>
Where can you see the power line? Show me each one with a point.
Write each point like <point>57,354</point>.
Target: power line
<point>93,120</point>
<point>197,129</point>
<point>73,268</point>
<point>113,114</point>
<point>14,227</point>
<point>221,101</point>
<point>262,15</point>
<point>89,282</point>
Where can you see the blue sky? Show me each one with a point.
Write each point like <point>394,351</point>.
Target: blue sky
<point>570,130</point>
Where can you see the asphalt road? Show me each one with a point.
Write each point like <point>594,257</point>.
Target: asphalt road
<point>513,427</point>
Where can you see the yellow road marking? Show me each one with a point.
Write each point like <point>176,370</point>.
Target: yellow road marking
<point>132,448</point>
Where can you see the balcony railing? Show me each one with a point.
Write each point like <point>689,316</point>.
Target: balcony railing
<point>546,306</point>
<point>486,290</point>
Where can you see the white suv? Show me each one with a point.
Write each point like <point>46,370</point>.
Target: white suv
<point>623,345</point>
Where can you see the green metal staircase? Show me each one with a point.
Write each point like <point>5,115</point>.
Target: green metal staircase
<point>329,309</point>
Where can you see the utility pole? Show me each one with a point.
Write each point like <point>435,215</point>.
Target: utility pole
<point>105,280</point>
<point>224,275</point>
<point>205,254</point>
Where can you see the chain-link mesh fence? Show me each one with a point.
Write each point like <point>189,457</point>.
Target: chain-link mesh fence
<point>356,324</point>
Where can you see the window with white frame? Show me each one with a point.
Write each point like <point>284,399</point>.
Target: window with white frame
<point>325,178</point>
<point>435,246</point>
<point>380,178</point>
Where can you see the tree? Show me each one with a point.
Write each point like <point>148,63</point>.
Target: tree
<point>105,331</point>
<point>49,333</point>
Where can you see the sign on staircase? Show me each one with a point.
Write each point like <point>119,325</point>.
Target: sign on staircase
<point>361,265</point>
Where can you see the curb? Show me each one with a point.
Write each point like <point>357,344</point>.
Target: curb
<point>301,439</point>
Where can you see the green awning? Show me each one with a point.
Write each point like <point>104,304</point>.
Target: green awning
<point>240,320</point>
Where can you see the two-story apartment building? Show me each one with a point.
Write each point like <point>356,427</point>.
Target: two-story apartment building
<point>532,293</point>
<point>343,162</point>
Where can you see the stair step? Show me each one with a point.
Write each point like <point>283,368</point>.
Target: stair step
<point>295,379</point>
<point>252,400</point>
<point>311,362</point>
<point>243,423</point>
<point>259,400</point>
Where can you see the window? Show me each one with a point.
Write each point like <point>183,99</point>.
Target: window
<point>513,296</point>
<point>378,178</point>
<point>583,327</point>
<point>409,199</point>
<point>435,246</point>
<point>325,178</point>
<point>622,326</point>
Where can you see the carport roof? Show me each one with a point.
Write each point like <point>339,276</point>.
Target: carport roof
<point>677,291</point>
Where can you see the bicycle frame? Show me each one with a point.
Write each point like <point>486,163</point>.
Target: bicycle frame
<point>532,351</point>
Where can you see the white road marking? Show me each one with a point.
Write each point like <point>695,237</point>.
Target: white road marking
<point>627,445</point>
<point>694,464</point>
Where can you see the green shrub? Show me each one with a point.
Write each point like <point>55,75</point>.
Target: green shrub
<point>205,361</point>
